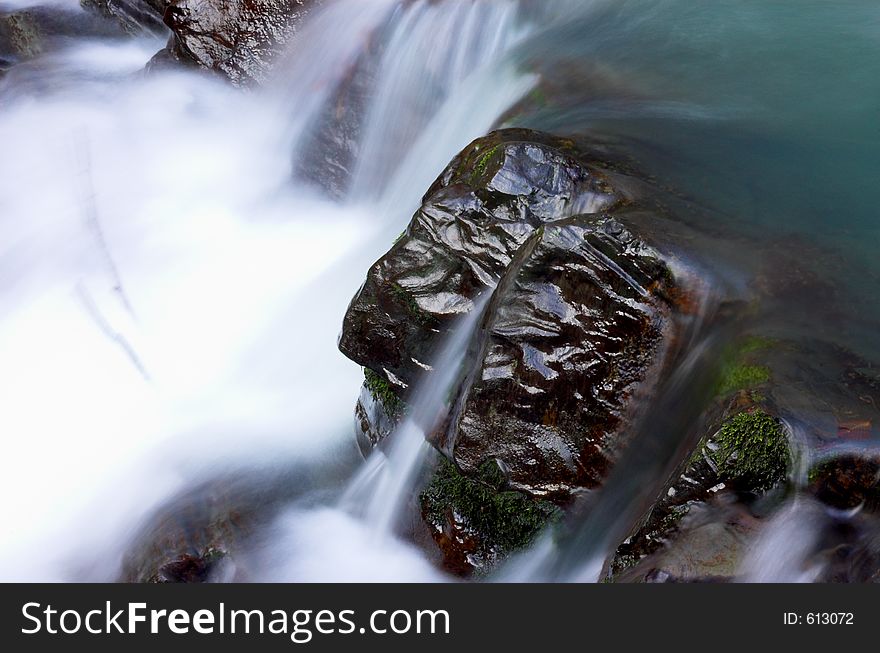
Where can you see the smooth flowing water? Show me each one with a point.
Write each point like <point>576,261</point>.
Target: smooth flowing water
<point>172,284</point>
<point>386,482</point>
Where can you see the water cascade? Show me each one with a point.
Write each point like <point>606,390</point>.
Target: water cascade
<point>387,479</point>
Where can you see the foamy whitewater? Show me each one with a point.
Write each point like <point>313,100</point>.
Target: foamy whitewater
<point>171,301</point>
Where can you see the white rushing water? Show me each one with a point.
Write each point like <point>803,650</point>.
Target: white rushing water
<point>781,553</point>
<point>171,301</point>
<point>465,37</point>
<point>387,480</point>
<point>319,61</point>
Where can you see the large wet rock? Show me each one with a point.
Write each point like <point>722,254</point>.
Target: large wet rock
<point>237,38</point>
<point>133,16</point>
<point>459,243</point>
<point>574,330</point>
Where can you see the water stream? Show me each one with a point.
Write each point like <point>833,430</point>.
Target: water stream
<point>387,480</point>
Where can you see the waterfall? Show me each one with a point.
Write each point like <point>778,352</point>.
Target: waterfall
<point>387,479</point>
<point>463,39</point>
<point>171,299</point>
<point>423,78</point>
<point>328,46</point>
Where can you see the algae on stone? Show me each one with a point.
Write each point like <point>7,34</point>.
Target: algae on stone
<point>751,448</point>
<point>503,520</point>
<point>382,392</point>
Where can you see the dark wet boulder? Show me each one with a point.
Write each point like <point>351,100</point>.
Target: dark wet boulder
<point>572,333</point>
<point>133,16</point>
<point>459,243</point>
<point>847,481</point>
<point>574,330</point>
<point>236,38</point>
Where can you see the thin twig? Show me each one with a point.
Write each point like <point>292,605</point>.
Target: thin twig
<point>102,323</point>
<point>90,205</point>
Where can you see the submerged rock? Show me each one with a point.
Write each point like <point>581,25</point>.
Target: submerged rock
<point>30,32</point>
<point>732,471</point>
<point>192,538</point>
<point>709,546</point>
<point>576,323</point>
<point>207,531</point>
<point>847,481</point>
<point>236,38</point>
<point>191,568</point>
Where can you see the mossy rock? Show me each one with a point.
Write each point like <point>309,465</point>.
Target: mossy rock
<point>478,521</point>
<point>749,454</point>
<point>383,392</point>
<point>751,451</point>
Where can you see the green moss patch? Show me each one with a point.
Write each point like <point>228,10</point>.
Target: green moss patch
<point>382,392</point>
<point>475,163</point>
<point>482,164</point>
<point>740,371</point>
<point>752,449</point>
<point>505,520</point>
<point>742,377</point>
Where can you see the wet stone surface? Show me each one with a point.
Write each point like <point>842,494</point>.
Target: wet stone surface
<point>239,39</point>
<point>576,322</point>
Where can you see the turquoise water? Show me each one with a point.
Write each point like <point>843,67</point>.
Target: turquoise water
<point>777,104</point>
